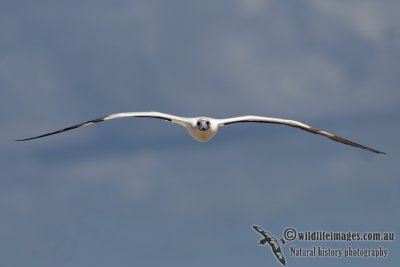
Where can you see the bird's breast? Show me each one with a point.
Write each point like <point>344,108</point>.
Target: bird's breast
<point>202,136</point>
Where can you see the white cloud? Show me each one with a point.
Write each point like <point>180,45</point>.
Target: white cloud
<point>251,7</point>
<point>373,20</point>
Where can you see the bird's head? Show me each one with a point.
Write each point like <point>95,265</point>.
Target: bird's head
<point>203,124</point>
<point>203,129</point>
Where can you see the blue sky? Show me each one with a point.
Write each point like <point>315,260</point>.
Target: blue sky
<point>136,192</point>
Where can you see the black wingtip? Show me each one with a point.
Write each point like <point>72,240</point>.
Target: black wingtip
<point>26,139</point>
<point>377,151</point>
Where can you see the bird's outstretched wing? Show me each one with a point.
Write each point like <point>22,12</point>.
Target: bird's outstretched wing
<point>260,231</point>
<point>273,242</point>
<point>151,114</point>
<point>296,124</point>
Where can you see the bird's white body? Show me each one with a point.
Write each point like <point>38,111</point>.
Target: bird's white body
<point>202,136</point>
<point>203,129</point>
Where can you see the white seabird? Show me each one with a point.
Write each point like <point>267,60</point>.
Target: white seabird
<point>204,129</point>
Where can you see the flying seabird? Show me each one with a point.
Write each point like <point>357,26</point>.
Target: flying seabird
<point>204,129</point>
<point>273,242</point>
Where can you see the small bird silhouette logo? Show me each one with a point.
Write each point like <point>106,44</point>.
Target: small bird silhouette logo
<point>273,242</point>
